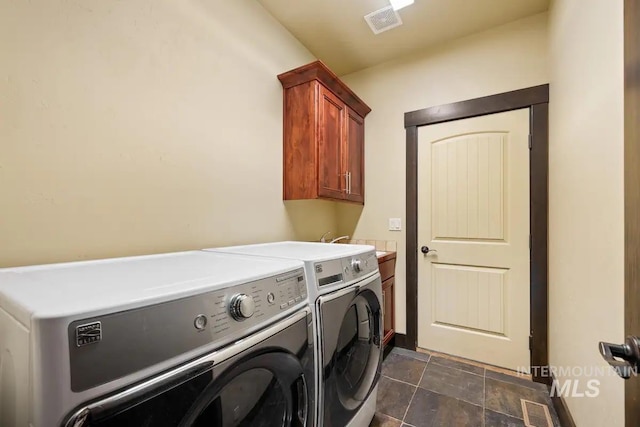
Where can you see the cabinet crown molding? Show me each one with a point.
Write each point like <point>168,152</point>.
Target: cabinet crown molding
<point>318,71</point>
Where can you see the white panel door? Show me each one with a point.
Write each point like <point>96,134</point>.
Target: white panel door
<point>473,215</point>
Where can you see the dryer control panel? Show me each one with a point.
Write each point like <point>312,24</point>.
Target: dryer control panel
<point>347,269</point>
<point>159,332</point>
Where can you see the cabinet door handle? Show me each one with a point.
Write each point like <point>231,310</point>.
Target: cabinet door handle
<point>349,182</point>
<point>346,182</point>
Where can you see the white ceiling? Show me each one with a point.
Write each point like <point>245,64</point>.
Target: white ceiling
<point>335,30</point>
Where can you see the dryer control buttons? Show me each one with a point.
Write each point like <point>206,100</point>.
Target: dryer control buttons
<point>200,322</point>
<point>356,264</point>
<point>242,306</point>
<point>271,297</point>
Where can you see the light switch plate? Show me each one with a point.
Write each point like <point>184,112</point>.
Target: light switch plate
<point>395,224</point>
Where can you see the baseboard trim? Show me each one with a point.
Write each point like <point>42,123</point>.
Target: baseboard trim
<point>566,420</point>
<point>401,341</point>
<point>388,348</point>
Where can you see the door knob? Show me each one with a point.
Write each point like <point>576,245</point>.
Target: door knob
<point>426,250</point>
<point>624,358</point>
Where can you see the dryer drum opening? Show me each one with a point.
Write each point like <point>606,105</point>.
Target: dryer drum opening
<point>357,353</point>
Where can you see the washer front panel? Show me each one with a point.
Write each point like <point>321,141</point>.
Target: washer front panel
<point>108,347</point>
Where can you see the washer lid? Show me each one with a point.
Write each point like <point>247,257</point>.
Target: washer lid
<point>67,289</point>
<point>304,251</point>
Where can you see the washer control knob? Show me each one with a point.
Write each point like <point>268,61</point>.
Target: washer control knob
<point>242,306</point>
<point>356,264</point>
<point>271,297</point>
<point>200,322</point>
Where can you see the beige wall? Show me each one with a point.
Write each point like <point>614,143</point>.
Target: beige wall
<point>131,127</point>
<point>506,58</point>
<point>586,235</point>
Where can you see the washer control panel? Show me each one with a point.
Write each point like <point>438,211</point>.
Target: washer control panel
<point>243,305</point>
<point>156,333</point>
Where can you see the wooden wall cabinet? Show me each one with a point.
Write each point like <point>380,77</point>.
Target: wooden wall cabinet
<point>387,266</point>
<point>323,136</point>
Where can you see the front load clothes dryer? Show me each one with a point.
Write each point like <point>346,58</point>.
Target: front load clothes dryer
<point>351,352</point>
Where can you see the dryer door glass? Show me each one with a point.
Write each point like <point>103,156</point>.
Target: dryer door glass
<point>353,365</point>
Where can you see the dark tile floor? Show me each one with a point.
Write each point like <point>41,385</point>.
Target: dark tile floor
<point>423,390</point>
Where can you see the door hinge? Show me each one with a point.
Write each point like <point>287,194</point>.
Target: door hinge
<point>530,142</point>
<point>530,342</point>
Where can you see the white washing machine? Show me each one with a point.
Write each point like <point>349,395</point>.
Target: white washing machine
<point>186,339</point>
<point>346,292</point>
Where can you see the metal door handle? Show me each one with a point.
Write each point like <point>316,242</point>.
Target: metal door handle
<point>624,358</point>
<point>425,250</point>
<point>349,181</point>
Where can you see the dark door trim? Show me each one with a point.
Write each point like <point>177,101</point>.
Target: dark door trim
<point>537,100</point>
<point>632,193</point>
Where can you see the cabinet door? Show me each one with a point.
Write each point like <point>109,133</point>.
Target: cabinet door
<point>331,178</point>
<point>354,156</point>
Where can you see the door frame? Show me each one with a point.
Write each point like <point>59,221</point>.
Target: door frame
<point>535,98</point>
<point>631,193</point>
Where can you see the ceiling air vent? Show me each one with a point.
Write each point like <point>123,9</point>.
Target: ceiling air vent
<point>383,19</point>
